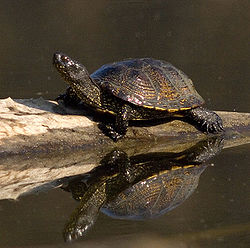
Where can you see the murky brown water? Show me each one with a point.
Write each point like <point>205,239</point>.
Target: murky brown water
<point>216,214</point>
<point>208,40</point>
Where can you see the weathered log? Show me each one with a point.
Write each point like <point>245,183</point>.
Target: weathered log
<point>41,141</point>
<point>34,125</point>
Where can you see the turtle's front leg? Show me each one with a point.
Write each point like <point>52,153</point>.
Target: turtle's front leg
<point>119,128</point>
<point>205,119</point>
<point>69,98</point>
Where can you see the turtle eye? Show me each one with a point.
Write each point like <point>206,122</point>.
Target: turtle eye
<point>65,59</point>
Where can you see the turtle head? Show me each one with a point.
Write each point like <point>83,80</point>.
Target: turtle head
<point>67,66</point>
<point>77,76</point>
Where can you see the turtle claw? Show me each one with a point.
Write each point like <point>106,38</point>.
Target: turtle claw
<point>114,135</point>
<point>214,126</point>
<point>206,120</point>
<point>110,131</point>
<point>220,125</point>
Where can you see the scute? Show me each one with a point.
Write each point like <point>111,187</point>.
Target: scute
<point>149,83</point>
<point>155,195</point>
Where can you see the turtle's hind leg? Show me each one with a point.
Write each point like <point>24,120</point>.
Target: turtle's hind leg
<point>206,120</point>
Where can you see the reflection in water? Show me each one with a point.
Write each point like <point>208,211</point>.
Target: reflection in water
<point>137,187</point>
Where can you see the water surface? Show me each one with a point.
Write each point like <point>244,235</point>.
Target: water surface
<point>215,215</point>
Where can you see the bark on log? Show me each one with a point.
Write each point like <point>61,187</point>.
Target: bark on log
<point>41,141</point>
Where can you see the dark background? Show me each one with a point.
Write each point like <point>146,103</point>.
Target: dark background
<point>208,40</point>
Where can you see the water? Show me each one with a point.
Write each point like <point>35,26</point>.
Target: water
<point>216,213</point>
<point>207,40</point>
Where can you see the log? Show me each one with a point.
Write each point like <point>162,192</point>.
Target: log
<point>41,141</point>
<point>37,125</point>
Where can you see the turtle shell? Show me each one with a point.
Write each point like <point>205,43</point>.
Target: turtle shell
<point>156,195</point>
<point>149,83</point>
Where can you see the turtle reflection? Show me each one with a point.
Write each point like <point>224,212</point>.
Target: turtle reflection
<point>137,187</point>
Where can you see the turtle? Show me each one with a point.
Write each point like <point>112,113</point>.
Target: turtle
<point>139,187</point>
<point>136,89</point>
